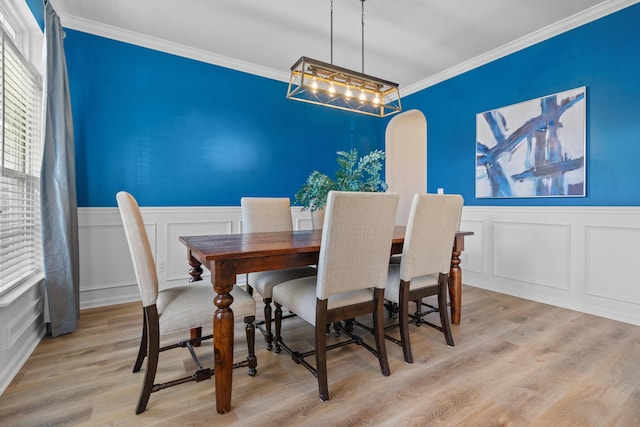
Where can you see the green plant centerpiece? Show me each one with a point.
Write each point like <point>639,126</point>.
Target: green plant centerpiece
<point>354,174</point>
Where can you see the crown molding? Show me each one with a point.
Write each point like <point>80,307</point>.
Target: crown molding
<point>138,39</point>
<point>589,15</point>
<point>575,21</point>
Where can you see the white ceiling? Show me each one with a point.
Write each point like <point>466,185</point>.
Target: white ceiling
<point>412,42</point>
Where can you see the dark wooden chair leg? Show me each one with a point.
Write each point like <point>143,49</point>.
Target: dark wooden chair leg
<point>418,317</point>
<point>336,329</point>
<point>250,330</point>
<point>152,357</point>
<point>378,322</point>
<point>196,333</point>
<point>278,338</point>
<point>442,308</point>
<point>142,352</point>
<point>403,314</point>
<point>321,349</point>
<point>268,336</point>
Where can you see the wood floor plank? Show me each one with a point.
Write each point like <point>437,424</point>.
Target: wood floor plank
<point>515,363</point>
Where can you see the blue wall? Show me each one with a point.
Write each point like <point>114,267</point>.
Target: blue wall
<point>174,131</point>
<point>603,55</point>
<point>178,132</point>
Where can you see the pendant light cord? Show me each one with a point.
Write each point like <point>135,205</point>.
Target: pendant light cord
<point>362,19</point>
<point>331,32</point>
<point>362,1</point>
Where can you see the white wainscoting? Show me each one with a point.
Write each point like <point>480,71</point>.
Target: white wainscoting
<point>21,327</point>
<point>106,272</point>
<point>582,258</point>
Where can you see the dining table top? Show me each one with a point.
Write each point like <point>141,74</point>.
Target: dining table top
<point>207,248</point>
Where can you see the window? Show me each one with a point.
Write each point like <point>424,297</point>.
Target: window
<point>20,158</point>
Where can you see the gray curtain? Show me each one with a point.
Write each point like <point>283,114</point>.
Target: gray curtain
<point>58,188</point>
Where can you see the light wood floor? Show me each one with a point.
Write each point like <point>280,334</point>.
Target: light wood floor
<point>515,363</point>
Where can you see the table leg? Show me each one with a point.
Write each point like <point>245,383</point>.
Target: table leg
<point>196,275</point>
<point>455,280</point>
<point>223,282</point>
<point>196,269</point>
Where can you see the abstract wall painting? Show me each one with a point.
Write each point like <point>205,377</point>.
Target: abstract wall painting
<point>534,148</point>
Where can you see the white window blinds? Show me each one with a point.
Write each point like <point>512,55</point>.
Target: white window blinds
<point>21,151</point>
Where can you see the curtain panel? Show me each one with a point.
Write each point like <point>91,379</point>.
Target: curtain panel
<point>58,188</point>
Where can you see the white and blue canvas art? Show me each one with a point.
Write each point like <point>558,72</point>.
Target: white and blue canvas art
<point>534,148</point>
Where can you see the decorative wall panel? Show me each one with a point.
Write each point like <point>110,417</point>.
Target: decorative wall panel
<point>612,263</point>
<point>532,253</point>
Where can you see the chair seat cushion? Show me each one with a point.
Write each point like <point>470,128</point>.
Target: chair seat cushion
<point>190,306</point>
<point>299,296</point>
<point>392,291</point>
<point>264,281</point>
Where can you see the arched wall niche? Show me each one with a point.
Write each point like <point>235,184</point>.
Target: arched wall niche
<point>406,160</point>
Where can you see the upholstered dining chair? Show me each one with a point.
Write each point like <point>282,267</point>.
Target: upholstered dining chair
<point>262,215</point>
<point>175,309</point>
<point>424,266</point>
<point>352,275</point>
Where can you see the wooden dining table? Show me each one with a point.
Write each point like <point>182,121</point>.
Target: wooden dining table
<point>227,255</point>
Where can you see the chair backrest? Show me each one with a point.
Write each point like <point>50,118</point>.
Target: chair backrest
<point>356,241</point>
<point>266,214</point>
<point>433,222</point>
<point>139,247</point>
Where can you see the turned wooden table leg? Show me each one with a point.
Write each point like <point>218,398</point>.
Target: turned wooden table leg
<point>196,269</point>
<point>196,333</point>
<point>223,282</point>
<point>196,275</point>
<point>455,280</point>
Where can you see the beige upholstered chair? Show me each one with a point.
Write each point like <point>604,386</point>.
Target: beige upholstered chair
<point>175,309</point>
<point>352,274</point>
<point>424,266</point>
<point>261,215</point>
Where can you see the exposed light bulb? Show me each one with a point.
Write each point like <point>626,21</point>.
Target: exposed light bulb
<point>314,85</point>
<point>348,93</point>
<point>332,88</point>
<point>363,97</point>
<point>376,99</point>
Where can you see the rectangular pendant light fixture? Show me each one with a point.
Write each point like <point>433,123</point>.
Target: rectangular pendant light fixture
<point>326,84</point>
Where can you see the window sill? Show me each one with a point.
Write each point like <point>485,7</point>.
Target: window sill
<point>12,295</point>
